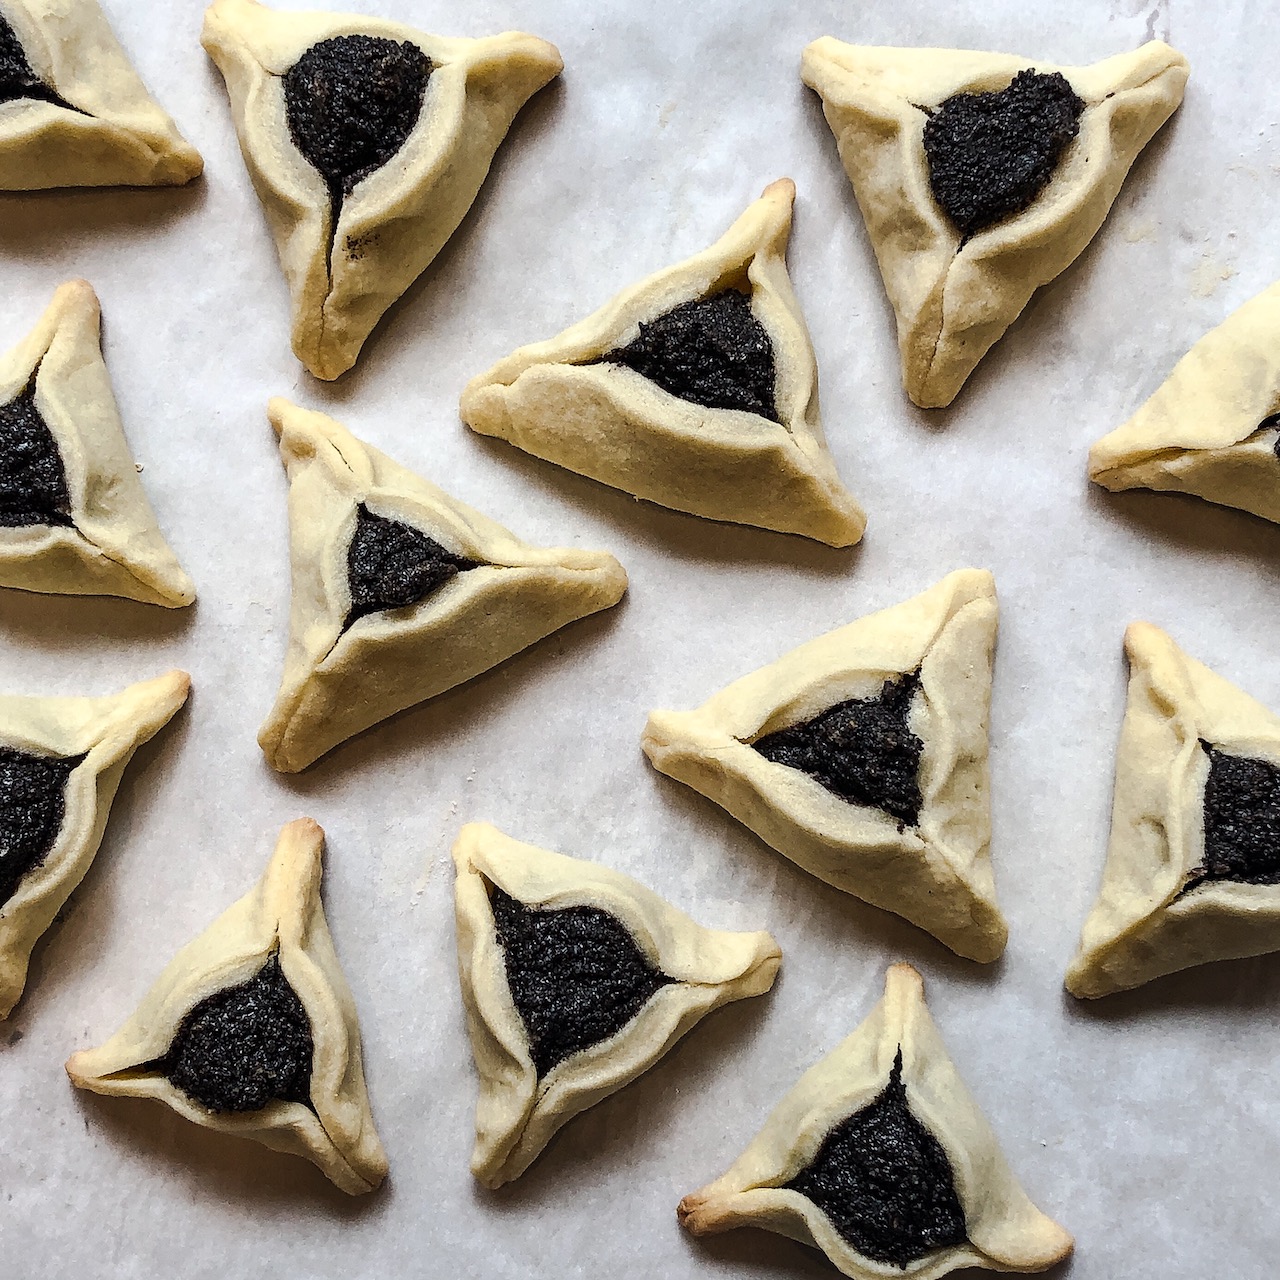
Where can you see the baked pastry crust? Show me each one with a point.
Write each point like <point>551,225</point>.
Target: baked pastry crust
<point>1205,430</point>
<point>517,1112</point>
<point>115,546</point>
<point>282,916</point>
<point>936,874</point>
<point>398,218</point>
<point>955,298</point>
<point>613,424</point>
<point>1146,921</point>
<point>339,680</point>
<point>106,731</point>
<point>1006,1231</point>
<point>113,134</point>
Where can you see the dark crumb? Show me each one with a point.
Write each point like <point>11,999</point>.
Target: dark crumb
<point>711,351</point>
<point>991,154</point>
<point>885,1182</point>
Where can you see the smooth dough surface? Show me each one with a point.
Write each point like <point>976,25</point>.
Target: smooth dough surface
<point>117,134</point>
<point>517,1112</point>
<point>283,917</point>
<point>1006,1232</point>
<point>1144,922</point>
<point>1205,431</point>
<point>106,731</point>
<point>937,874</point>
<point>613,424</point>
<point>954,298</point>
<point>115,547</point>
<point>399,217</point>
<point>339,680</point>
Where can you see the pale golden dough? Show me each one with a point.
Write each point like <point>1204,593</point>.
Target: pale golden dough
<point>106,731</point>
<point>115,547</point>
<point>340,680</point>
<point>517,1112</point>
<point>399,217</point>
<point>282,916</point>
<point>1203,431</point>
<point>1006,1231</point>
<point>953,300</point>
<point>613,424</point>
<point>1143,924</point>
<point>937,874</point>
<point>123,138</point>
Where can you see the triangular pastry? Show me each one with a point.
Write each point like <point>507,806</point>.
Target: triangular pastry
<point>1193,865</point>
<point>880,1157</point>
<point>252,1030</point>
<point>1212,428</point>
<point>363,186</point>
<point>696,388</point>
<point>862,756</point>
<point>400,591</point>
<point>74,518</point>
<point>73,112</point>
<point>981,176</point>
<point>576,979</point>
<point>61,760</point>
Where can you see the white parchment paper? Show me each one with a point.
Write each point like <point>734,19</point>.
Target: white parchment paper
<point>1149,1124</point>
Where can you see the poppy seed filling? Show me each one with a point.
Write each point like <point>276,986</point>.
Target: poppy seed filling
<point>1241,821</point>
<point>351,103</point>
<point>991,154</point>
<point>861,750</point>
<point>710,351</point>
<point>243,1047</point>
<point>18,79</point>
<point>32,807</point>
<point>33,480</point>
<point>391,565</point>
<point>575,974</point>
<point>885,1182</point>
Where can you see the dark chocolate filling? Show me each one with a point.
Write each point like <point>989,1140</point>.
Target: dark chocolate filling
<point>18,79</point>
<point>351,103</point>
<point>391,564</point>
<point>575,974</point>
<point>861,750</point>
<point>1241,821</point>
<point>711,351</point>
<point>33,798</point>
<point>244,1047</point>
<point>33,481</point>
<point>991,154</point>
<point>885,1182</point>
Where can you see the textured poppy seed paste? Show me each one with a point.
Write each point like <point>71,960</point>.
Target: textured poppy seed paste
<point>33,803</point>
<point>33,480</point>
<point>991,154</point>
<point>711,351</point>
<point>244,1047</point>
<point>1241,821</point>
<point>861,750</point>
<point>575,974</point>
<point>18,79</point>
<point>351,103</point>
<point>391,564</point>
<point>885,1182</point>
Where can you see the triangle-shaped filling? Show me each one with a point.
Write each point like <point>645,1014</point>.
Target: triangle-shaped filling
<point>861,750</point>
<point>391,565</point>
<point>576,975</point>
<point>709,351</point>
<point>885,1181</point>
<point>32,808</point>
<point>33,479</point>
<point>18,80</point>
<point>1241,821</point>
<point>243,1047</point>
